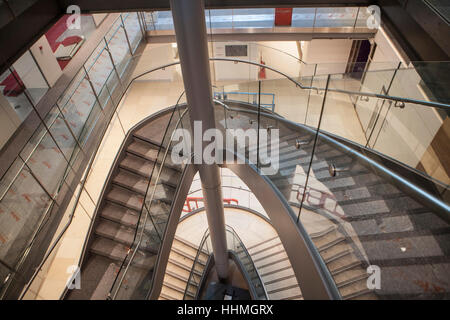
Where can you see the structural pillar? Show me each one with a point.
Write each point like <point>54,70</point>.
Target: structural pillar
<point>192,43</point>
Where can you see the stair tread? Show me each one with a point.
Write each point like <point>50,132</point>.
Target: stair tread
<point>118,251</point>
<point>115,231</point>
<point>109,248</point>
<point>120,214</point>
<point>144,149</point>
<point>125,197</point>
<point>138,165</point>
<point>131,181</point>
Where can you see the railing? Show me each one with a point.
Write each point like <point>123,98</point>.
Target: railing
<point>188,207</point>
<point>254,95</point>
<point>441,7</point>
<point>236,246</point>
<point>27,164</point>
<point>148,222</point>
<point>252,275</point>
<point>322,174</point>
<point>387,112</point>
<point>353,18</point>
<point>233,188</point>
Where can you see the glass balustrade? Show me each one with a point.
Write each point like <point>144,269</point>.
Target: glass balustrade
<point>354,18</point>
<point>372,187</point>
<point>45,171</point>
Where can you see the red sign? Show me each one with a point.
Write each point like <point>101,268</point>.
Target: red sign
<point>283,16</point>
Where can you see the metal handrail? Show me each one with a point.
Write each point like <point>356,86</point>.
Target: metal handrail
<point>162,67</point>
<point>84,179</point>
<point>251,260</point>
<point>437,203</point>
<point>200,250</point>
<point>161,167</point>
<point>357,93</point>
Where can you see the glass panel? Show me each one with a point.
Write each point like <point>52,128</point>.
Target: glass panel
<point>114,87</point>
<point>219,18</point>
<point>104,98</point>
<point>29,74</point>
<point>376,81</point>
<point>79,106</point>
<point>99,68</point>
<point>61,133</point>
<point>131,22</point>
<point>22,209</point>
<point>363,16</point>
<point>118,46</point>
<point>94,115</point>
<point>335,17</point>
<point>303,17</point>
<point>159,20</point>
<point>253,18</point>
<point>73,86</point>
<point>379,225</point>
<point>415,136</point>
<point>13,91</point>
<point>46,160</point>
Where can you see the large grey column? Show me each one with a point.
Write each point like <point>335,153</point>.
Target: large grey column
<point>190,31</point>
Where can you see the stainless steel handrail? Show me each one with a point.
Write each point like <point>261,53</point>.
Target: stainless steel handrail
<point>200,249</point>
<point>435,202</point>
<point>84,179</point>
<point>357,93</point>
<point>251,260</point>
<point>162,67</point>
<point>161,167</point>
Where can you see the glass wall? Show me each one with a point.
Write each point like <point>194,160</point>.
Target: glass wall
<point>44,172</point>
<point>349,17</point>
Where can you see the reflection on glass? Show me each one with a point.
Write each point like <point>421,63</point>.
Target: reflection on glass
<point>131,22</point>
<point>118,47</point>
<point>303,17</point>
<point>12,90</point>
<point>22,208</point>
<point>335,17</point>
<point>29,74</point>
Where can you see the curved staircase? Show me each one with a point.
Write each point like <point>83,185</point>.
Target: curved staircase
<point>118,215</point>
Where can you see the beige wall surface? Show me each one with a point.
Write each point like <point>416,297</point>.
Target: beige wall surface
<point>46,60</point>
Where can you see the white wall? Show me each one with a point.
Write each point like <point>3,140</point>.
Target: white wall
<point>285,61</point>
<point>46,60</point>
<point>156,55</point>
<point>9,121</point>
<point>28,72</point>
<point>386,56</point>
<point>331,55</point>
<point>226,71</point>
<point>407,132</point>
